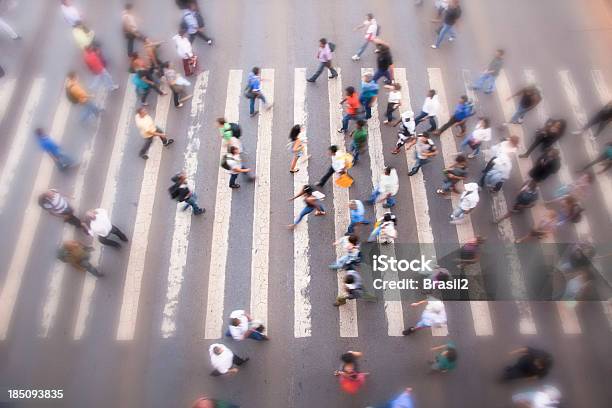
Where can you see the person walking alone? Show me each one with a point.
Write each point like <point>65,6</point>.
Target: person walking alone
<point>467,202</point>
<point>430,110</point>
<point>253,91</point>
<point>312,203</point>
<point>486,81</point>
<point>360,136</point>
<point>100,226</point>
<point>449,18</point>
<point>324,56</point>
<point>77,95</point>
<point>547,136</point>
<point>298,147</point>
<point>371,31</point>
<point>181,192</point>
<point>4,26</point>
<point>193,23</point>
<point>78,256</point>
<point>148,130</point>
<point>62,161</point>
<point>384,62</point>
<point>602,118</point>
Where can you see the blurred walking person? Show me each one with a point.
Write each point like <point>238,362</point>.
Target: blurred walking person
<point>480,134</point>
<point>424,151</point>
<point>387,188</point>
<point>371,32</point>
<point>78,256</point>
<point>100,226</point>
<point>357,214</point>
<point>445,359</point>
<point>601,119</point>
<point>467,202</point>
<point>351,98</point>
<point>62,160</point>
<point>394,101</point>
<point>312,202</point>
<point>463,110</point>
<point>130,28</point>
<point>406,132</point>
<point>97,67</point>
<point>530,97</point>
<point>359,138</point>
<point>4,26</point>
<point>56,204</point>
<point>486,81</point>
<point>353,288</point>
<point>193,22</point>
<point>547,136</point>
<point>350,248</point>
<point>71,14</point>
<point>605,157</point>
<point>185,52</point>
<point>181,192</point>
<point>224,360</point>
<point>338,164</point>
<point>243,326</point>
<point>148,130</point>
<point>178,85</point>
<point>83,36</point>
<point>384,62</point>
<point>546,165</point>
<point>430,110</point>
<point>531,363</point>
<point>526,198</point>
<point>449,18</point>
<point>453,174</point>
<point>434,314</point>
<point>77,95</point>
<point>324,56</point>
<point>369,94</point>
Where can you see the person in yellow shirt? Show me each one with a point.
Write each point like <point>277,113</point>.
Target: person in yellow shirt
<point>148,130</point>
<point>79,96</point>
<point>83,36</point>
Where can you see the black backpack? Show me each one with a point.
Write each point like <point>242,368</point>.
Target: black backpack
<point>236,131</point>
<point>332,46</point>
<point>224,164</point>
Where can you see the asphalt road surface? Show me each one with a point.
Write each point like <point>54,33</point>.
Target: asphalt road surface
<point>139,336</point>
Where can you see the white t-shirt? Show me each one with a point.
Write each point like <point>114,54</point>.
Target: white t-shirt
<point>504,147</point>
<point>469,198</point>
<point>372,28</point>
<point>395,97</point>
<point>408,121</point>
<point>390,183</point>
<point>71,14</point>
<point>431,106</point>
<point>222,362</point>
<point>480,135</point>
<point>338,161</point>
<point>239,331</point>
<point>183,47</point>
<point>101,225</point>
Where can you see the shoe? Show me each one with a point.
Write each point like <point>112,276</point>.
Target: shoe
<point>199,211</point>
<point>408,331</point>
<point>385,121</point>
<point>332,76</point>
<point>318,184</point>
<point>355,57</point>
<point>434,46</point>
<point>451,39</point>
<point>310,80</point>
<point>254,113</point>
<point>234,185</point>
<point>341,130</point>
<point>169,142</point>
<point>114,87</point>
<point>577,132</point>
<point>471,156</point>
<point>294,171</point>
<point>144,156</point>
<point>209,42</point>
<point>412,173</point>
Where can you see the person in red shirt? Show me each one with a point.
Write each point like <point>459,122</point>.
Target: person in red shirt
<point>95,63</point>
<point>352,108</point>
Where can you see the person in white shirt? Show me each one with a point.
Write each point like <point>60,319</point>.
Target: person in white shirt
<point>467,202</point>
<point>481,133</point>
<point>387,188</point>
<point>508,146</point>
<point>350,247</point>
<point>496,172</point>
<point>434,315</point>
<point>430,109</point>
<point>242,326</point>
<point>224,360</point>
<point>100,226</point>
<point>338,165</point>
<point>394,101</point>
<point>71,14</point>
<point>233,163</point>
<point>185,52</point>
<point>371,33</point>
<point>406,132</point>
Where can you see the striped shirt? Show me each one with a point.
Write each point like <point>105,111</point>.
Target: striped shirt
<point>56,204</point>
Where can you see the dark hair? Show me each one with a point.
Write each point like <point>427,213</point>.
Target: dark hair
<point>433,91</point>
<point>323,41</point>
<point>307,189</point>
<point>255,70</point>
<point>486,121</point>
<point>39,132</point>
<point>235,322</point>
<point>460,158</point>
<point>501,51</point>
<point>464,98</point>
<point>353,239</point>
<point>221,121</point>
<point>370,15</point>
<point>333,149</point>
<point>350,90</point>
<point>128,6</point>
<point>388,170</point>
<point>361,123</point>
<point>562,125</point>
<point>451,354</point>
<point>295,132</point>
<point>232,149</point>
<point>71,74</point>
<point>349,279</point>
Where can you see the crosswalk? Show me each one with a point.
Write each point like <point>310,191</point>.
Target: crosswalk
<point>144,251</point>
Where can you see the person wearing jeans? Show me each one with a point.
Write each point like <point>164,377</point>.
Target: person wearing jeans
<point>253,91</point>
<point>423,151</point>
<point>62,160</point>
<point>463,110</point>
<point>324,56</point>
<point>357,214</point>
<point>100,226</point>
<point>77,95</point>
<point>451,15</point>
<point>338,165</point>
<point>530,97</point>
<point>181,192</point>
<point>351,97</point>
<point>234,162</point>
<point>486,81</point>
<point>312,203</point>
<point>388,188</point>
<point>369,93</point>
<point>371,27</point>
<point>467,202</point>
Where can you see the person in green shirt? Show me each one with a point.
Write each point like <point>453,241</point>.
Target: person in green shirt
<point>359,135</point>
<point>446,358</point>
<point>225,129</point>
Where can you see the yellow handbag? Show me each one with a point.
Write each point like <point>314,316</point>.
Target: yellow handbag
<point>344,180</point>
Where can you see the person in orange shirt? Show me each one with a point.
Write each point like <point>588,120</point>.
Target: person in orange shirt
<point>352,108</point>
<point>77,95</point>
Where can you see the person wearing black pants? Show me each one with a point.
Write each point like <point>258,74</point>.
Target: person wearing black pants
<point>101,226</point>
<point>338,165</point>
<point>601,118</point>
<point>224,360</point>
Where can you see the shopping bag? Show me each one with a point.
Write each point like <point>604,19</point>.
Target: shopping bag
<point>344,181</point>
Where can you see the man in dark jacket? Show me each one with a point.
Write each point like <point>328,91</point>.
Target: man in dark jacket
<point>547,164</point>
<point>180,192</point>
<point>384,62</point>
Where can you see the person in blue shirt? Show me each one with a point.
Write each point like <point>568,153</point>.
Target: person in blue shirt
<point>464,110</point>
<point>369,93</point>
<point>253,91</point>
<point>62,160</point>
<point>403,400</point>
<point>357,212</point>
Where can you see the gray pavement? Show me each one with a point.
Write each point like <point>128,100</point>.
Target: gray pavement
<point>149,370</point>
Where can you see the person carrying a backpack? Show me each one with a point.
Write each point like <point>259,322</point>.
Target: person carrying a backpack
<point>181,192</point>
<point>193,23</point>
<point>463,110</point>
<point>496,172</point>
<point>228,131</point>
<point>526,198</point>
<point>324,56</point>
<point>77,95</point>
<point>232,162</point>
<point>253,91</point>
<point>424,150</point>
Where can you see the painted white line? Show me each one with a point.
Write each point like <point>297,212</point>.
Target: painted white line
<point>419,194</point>
<point>108,203</point>
<point>480,310</point>
<point>182,219</point>
<point>7,88</point>
<point>603,181</point>
<point>142,226</point>
<point>603,92</point>
<point>393,303</point>
<point>59,271</point>
<point>220,234</point>
<point>23,133</point>
<point>302,308</point>
<point>500,208</point>
<point>27,229</point>
<point>260,255</point>
<point>347,312</point>
<point>508,107</point>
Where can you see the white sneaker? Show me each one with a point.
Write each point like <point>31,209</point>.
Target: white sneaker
<point>577,132</point>
<point>355,57</point>
<point>433,46</point>
<point>385,121</point>
<point>451,39</point>
<point>471,156</point>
